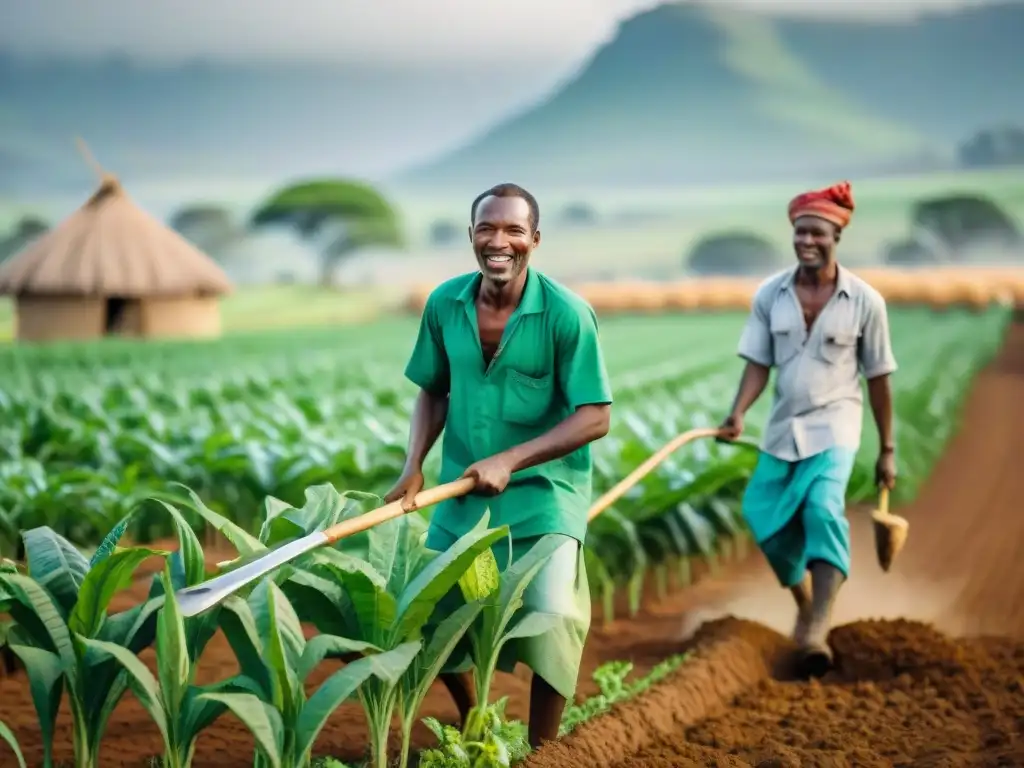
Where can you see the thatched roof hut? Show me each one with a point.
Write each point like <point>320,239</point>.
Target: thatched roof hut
<point>112,269</point>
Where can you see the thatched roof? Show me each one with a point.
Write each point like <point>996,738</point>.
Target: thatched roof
<point>111,247</point>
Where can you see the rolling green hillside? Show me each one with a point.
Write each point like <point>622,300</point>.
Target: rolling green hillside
<point>688,93</point>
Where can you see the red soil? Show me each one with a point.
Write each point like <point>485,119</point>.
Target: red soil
<point>902,694</point>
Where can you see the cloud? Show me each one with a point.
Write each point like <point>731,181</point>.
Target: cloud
<point>396,32</point>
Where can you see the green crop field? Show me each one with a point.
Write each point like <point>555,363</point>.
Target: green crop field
<point>94,428</point>
<point>266,436</point>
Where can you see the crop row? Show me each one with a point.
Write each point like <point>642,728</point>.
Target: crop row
<point>369,599</point>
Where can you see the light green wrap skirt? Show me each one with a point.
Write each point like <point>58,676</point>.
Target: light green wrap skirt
<point>559,588</point>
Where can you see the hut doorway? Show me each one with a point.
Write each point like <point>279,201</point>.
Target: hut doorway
<point>122,317</point>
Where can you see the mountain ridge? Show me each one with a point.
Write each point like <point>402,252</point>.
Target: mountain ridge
<point>742,94</point>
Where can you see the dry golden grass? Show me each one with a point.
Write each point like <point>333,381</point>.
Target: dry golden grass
<point>938,288</point>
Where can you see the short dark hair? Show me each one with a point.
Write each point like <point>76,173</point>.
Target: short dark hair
<point>508,190</point>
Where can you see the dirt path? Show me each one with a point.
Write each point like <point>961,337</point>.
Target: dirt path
<point>960,570</point>
<point>920,678</point>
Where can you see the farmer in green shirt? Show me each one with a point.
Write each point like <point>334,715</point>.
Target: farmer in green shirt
<point>509,365</point>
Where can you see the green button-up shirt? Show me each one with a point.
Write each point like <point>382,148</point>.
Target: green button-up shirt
<point>549,363</point>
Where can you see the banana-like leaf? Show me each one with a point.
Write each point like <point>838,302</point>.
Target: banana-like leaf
<point>190,551</point>
<point>283,642</point>
<point>442,574</point>
<point>36,612</point>
<point>46,683</point>
<point>109,576</point>
<point>262,720</point>
<point>56,564</point>
<point>321,647</point>
<point>8,735</point>
<point>142,682</point>
<point>335,690</point>
<point>246,544</point>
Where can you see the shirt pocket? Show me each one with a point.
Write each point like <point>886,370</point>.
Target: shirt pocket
<point>785,340</point>
<point>526,399</point>
<point>838,346</point>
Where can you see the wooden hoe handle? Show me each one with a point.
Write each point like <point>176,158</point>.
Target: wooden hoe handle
<point>638,474</point>
<point>465,485</point>
<point>424,498</point>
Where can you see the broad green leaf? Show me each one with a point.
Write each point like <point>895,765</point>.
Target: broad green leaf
<point>391,665</point>
<point>141,680</point>
<point>262,720</point>
<point>427,665</point>
<point>239,626</point>
<point>35,610</point>
<point>246,544</point>
<point>532,624</point>
<point>190,550</point>
<point>174,665</point>
<point>272,508</point>
<point>346,563</point>
<point>441,575</point>
<point>481,578</point>
<point>517,577</point>
<point>282,636</point>
<point>46,682</point>
<point>321,602</point>
<point>55,564</point>
<point>328,697</point>
<point>320,647</point>
<point>8,735</point>
<point>108,577</point>
<point>372,604</point>
<point>199,712</point>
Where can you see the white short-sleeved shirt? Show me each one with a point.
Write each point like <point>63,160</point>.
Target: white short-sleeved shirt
<point>817,400</point>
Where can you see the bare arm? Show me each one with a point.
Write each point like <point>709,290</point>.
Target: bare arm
<point>880,397</point>
<point>428,419</point>
<point>752,384</point>
<point>585,425</point>
<point>878,364</point>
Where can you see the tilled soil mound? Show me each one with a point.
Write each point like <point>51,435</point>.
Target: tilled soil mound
<point>902,694</point>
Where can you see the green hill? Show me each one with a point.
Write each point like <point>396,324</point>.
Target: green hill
<point>690,93</point>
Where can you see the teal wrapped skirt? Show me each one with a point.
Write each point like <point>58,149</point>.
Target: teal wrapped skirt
<point>796,512</point>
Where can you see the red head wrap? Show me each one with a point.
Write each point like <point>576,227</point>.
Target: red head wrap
<point>834,204</point>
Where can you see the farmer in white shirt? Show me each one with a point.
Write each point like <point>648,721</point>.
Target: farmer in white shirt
<point>820,327</point>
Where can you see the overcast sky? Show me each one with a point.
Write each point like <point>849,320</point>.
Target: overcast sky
<point>401,32</point>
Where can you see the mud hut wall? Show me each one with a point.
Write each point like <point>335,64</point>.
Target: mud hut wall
<point>56,318</point>
<point>186,317</point>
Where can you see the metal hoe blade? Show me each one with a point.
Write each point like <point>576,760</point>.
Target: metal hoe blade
<point>201,597</point>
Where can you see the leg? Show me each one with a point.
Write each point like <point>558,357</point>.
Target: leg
<point>826,580</point>
<point>802,596</point>
<point>460,686</point>
<point>828,558</point>
<point>546,707</point>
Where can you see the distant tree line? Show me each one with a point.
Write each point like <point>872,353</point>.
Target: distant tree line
<point>26,230</point>
<point>993,148</point>
<point>337,216</point>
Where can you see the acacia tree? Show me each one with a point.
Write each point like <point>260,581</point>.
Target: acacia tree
<point>21,234</point>
<point>210,227</point>
<point>340,216</point>
<point>734,253</point>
